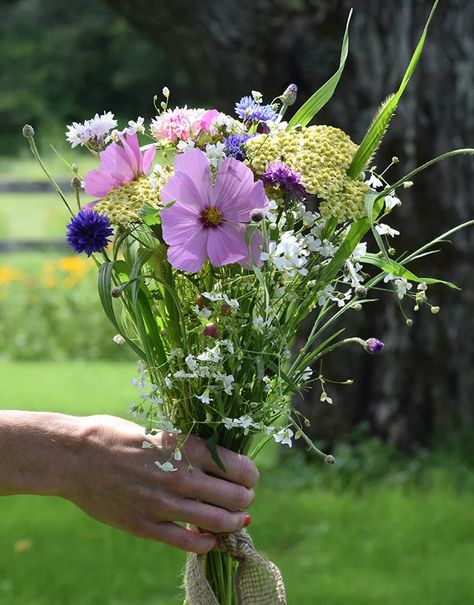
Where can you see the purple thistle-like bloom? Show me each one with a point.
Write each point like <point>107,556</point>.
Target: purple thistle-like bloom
<point>208,220</point>
<point>234,145</point>
<point>247,110</point>
<point>289,96</point>
<point>88,232</point>
<point>374,345</point>
<point>278,173</point>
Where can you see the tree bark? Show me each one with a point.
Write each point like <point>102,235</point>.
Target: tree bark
<point>422,384</point>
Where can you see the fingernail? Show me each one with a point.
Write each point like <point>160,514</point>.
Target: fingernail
<point>247,520</point>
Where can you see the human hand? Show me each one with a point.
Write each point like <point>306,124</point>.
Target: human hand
<point>115,480</point>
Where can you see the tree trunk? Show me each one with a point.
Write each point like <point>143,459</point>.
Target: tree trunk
<point>423,382</point>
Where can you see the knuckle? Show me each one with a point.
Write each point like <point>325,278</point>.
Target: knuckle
<point>221,521</point>
<point>247,472</point>
<point>187,541</point>
<point>241,498</point>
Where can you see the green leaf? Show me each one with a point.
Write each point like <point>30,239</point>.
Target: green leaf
<point>391,266</point>
<point>318,100</point>
<point>376,131</point>
<point>150,215</point>
<point>212,447</point>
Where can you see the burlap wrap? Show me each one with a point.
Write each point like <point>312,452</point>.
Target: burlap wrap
<point>257,580</point>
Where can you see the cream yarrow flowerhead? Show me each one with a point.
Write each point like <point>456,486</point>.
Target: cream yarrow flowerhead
<point>322,156</point>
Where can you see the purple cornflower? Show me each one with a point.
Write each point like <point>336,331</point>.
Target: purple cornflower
<point>234,145</point>
<point>88,232</point>
<point>278,173</point>
<point>374,345</point>
<point>247,110</point>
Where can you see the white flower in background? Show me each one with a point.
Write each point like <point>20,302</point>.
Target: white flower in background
<point>228,423</point>
<point>391,201</point>
<point>134,127</point>
<point>94,130</point>
<point>183,374</point>
<point>204,398</point>
<point>213,355</point>
<point>284,437</point>
<point>183,146</point>
<point>191,363</point>
<point>167,467</point>
<point>383,229</point>
<point>233,304</point>
<point>213,296</point>
<point>402,285</point>
<point>215,154</point>
<point>259,323</point>
<point>268,213</point>
<point>374,182</point>
<point>306,375</point>
<point>324,296</point>
<point>168,382</point>
<point>324,247</point>
<point>77,134</point>
<point>257,96</point>
<point>204,313</point>
<point>164,424</point>
<point>227,384</point>
<point>228,344</point>
<point>340,298</point>
<point>148,445</point>
<point>325,398</point>
<point>287,255</point>
<point>359,250</point>
<point>226,123</point>
<point>119,339</point>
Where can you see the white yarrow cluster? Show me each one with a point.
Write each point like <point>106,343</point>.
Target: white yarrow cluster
<point>91,132</point>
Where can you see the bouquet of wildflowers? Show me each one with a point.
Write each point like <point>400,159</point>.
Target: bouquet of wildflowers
<point>216,237</point>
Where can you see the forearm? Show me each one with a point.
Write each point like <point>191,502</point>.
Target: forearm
<point>37,451</point>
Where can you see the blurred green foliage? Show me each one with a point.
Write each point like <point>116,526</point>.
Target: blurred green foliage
<point>64,61</point>
<point>50,311</point>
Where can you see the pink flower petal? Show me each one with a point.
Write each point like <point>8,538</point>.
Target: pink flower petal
<point>98,183</point>
<point>226,244</point>
<point>179,223</point>
<point>208,118</point>
<point>190,255</point>
<point>132,149</point>
<point>148,158</point>
<point>195,164</point>
<point>236,193</point>
<point>181,188</point>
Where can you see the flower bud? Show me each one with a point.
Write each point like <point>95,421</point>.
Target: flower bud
<point>373,346</point>
<point>329,459</point>
<point>409,322</point>
<point>119,339</point>
<point>407,184</point>
<point>392,251</point>
<point>395,160</point>
<point>361,292</point>
<point>256,215</point>
<point>289,96</point>
<point>211,330</point>
<point>74,167</point>
<point>28,131</point>
<point>76,182</point>
<point>226,309</point>
<point>166,91</point>
<point>200,302</point>
<point>116,292</point>
<point>357,307</point>
<point>435,310</point>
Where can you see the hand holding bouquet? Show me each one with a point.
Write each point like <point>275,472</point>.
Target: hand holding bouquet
<point>215,240</point>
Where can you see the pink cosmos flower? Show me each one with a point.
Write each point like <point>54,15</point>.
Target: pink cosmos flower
<point>119,163</point>
<point>208,221</point>
<point>207,119</point>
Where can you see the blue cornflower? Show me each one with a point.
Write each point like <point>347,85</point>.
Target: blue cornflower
<point>247,109</point>
<point>234,145</point>
<point>374,345</point>
<point>88,232</point>
<point>278,173</point>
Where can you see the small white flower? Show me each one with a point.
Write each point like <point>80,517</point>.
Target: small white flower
<point>213,296</point>
<point>391,201</point>
<point>183,146</point>
<point>204,313</point>
<point>204,398</point>
<point>233,304</point>
<point>402,285</point>
<point>119,339</point>
<point>383,229</point>
<point>259,323</point>
<point>228,344</point>
<point>374,182</point>
<point>148,445</point>
<point>228,423</point>
<point>257,96</point>
<point>134,127</point>
<point>166,91</point>
<point>168,382</point>
<point>324,296</point>
<point>306,375</point>
<point>177,455</point>
<point>325,398</point>
<point>191,363</point>
<point>215,154</point>
<point>359,250</point>
<point>284,437</point>
<point>182,374</point>
<point>227,384</point>
<point>167,467</point>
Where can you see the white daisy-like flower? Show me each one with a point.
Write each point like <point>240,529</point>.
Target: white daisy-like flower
<point>402,285</point>
<point>134,127</point>
<point>204,398</point>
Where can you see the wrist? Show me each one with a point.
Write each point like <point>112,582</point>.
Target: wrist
<point>38,452</point>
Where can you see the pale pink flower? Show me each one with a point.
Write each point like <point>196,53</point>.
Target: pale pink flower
<point>207,221</point>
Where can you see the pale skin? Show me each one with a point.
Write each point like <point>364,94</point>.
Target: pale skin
<point>99,464</point>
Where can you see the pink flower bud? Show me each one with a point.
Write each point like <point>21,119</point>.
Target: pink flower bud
<point>211,330</point>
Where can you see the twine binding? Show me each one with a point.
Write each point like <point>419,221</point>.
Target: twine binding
<point>257,580</point>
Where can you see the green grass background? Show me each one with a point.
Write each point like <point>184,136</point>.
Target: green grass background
<point>380,545</point>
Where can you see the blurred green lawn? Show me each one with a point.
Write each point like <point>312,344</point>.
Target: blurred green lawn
<point>382,545</point>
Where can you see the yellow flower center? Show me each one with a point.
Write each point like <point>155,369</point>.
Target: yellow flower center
<point>211,217</point>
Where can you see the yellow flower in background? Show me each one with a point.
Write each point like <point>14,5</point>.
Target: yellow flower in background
<point>8,275</point>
